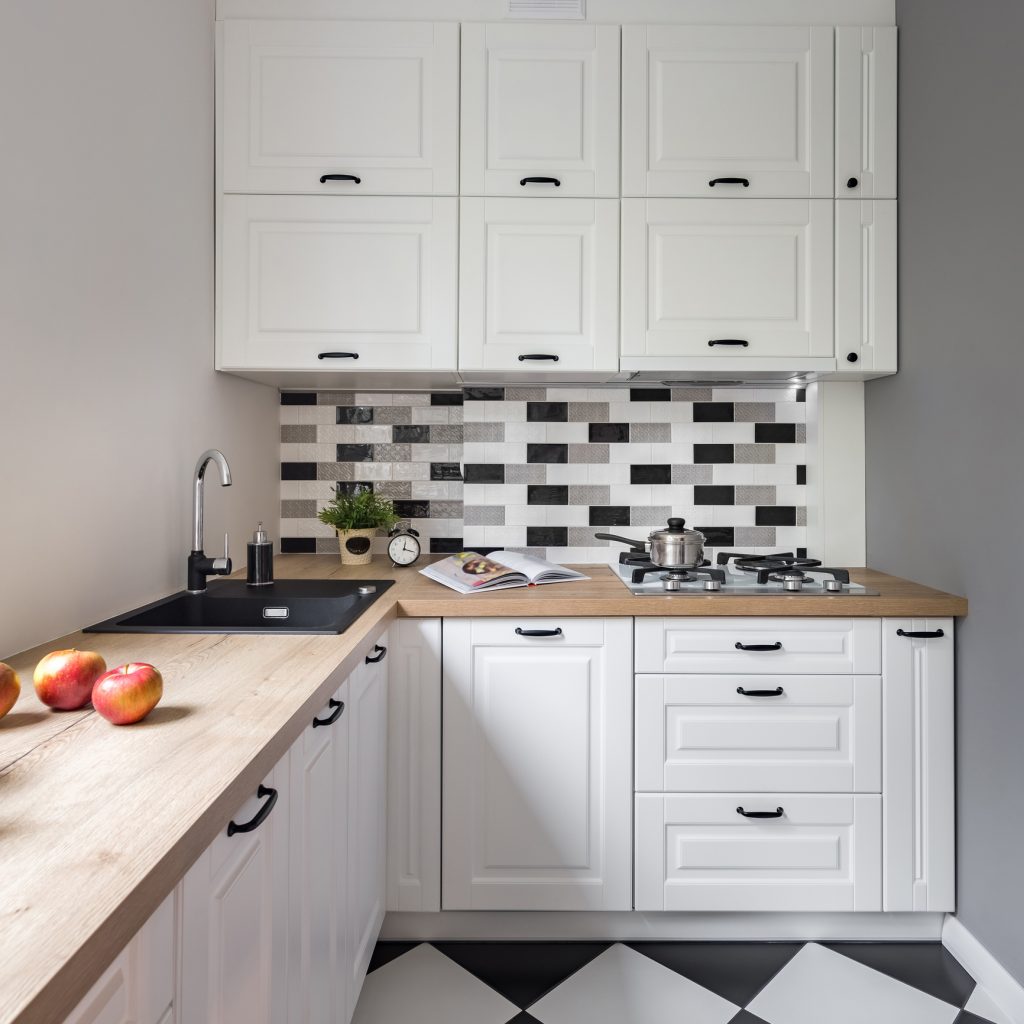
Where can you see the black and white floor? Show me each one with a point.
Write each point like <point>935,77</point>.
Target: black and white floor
<point>669,983</point>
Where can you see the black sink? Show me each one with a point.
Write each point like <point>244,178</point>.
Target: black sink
<point>229,606</point>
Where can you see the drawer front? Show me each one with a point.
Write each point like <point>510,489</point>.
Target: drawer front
<point>759,646</point>
<point>698,853</point>
<point>820,734</point>
<point>572,632</point>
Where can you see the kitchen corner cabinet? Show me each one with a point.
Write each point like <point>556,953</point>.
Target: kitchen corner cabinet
<point>540,110</point>
<point>371,105</point>
<point>537,716</point>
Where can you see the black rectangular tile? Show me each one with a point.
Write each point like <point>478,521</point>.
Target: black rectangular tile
<point>547,412</point>
<point>774,433</point>
<point>483,394</point>
<point>354,414</point>
<point>298,470</point>
<point>445,471</point>
<point>483,473</point>
<point>412,509</point>
<point>547,453</point>
<point>775,515</point>
<point>609,515</point>
<point>713,412</point>
<point>547,494</point>
<point>298,545</point>
<point>298,398</point>
<point>650,475</point>
<point>609,433</point>
<point>714,495</point>
<point>403,433</point>
<point>650,394</point>
<point>547,536</point>
<point>446,398</point>
<point>801,474</point>
<point>705,453</point>
<point>801,395</point>
<point>355,453</point>
<point>353,486</point>
<point>445,545</point>
<point>718,536</point>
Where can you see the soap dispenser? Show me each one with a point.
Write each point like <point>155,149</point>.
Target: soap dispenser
<point>260,559</point>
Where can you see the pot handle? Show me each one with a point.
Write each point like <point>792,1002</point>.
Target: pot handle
<point>636,545</point>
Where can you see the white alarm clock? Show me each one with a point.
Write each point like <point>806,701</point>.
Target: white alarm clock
<point>404,546</point>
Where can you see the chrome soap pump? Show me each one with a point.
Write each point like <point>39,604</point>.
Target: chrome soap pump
<point>260,559</point>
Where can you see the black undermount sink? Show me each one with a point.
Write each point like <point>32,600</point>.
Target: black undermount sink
<point>229,606</point>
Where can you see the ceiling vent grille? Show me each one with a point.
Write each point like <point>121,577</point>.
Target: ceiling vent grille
<point>564,9</point>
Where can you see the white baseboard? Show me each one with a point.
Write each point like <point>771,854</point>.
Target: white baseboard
<point>629,925</point>
<point>987,971</point>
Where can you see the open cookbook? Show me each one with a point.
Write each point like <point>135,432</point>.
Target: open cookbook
<point>468,572</point>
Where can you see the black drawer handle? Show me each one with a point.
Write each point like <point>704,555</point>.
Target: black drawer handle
<point>260,816</point>
<point>538,632</point>
<point>777,692</point>
<point>922,635</point>
<point>379,651</point>
<point>745,182</point>
<point>777,813</point>
<point>538,356</point>
<point>337,355</point>
<point>739,342</point>
<point>777,646</point>
<point>339,708</point>
<point>540,181</point>
<point>340,177</point>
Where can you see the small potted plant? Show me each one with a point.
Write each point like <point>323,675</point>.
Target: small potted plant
<point>357,518</point>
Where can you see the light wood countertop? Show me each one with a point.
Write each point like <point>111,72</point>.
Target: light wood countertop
<point>98,823</point>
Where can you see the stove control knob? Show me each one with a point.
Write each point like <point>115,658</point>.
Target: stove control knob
<point>833,586</point>
<point>712,585</point>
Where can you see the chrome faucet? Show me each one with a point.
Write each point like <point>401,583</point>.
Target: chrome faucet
<point>199,566</point>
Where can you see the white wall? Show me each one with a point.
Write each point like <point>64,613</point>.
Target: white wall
<point>107,392</point>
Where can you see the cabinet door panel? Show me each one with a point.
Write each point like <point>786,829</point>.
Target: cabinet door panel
<point>701,103</point>
<point>540,100</point>
<point>378,100</point>
<point>538,277</point>
<point>302,275</point>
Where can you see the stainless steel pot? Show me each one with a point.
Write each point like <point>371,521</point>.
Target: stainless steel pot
<point>671,548</point>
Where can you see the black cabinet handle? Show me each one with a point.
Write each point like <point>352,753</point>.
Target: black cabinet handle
<point>922,635</point>
<point>745,182</point>
<point>260,816</point>
<point>340,177</point>
<point>339,708</point>
<point>379,651</point>
<point>777,646</point>
<point>777,813</point>
<point>538,356</point>
<point>728,341</point>
<point>540,181</point>
<point>538,632</point>
<point>337,355</point>
<point>777,692</point>
<point>852,182</point>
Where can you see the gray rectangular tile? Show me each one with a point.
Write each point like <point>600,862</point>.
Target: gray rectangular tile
<point>691,394</point>
<point>763,494</point>
<point>392,489</point>
<point>335,398</point>
<point>335,471</point>
<point>754,412</point>
<point>754,537</point>
<point>392,452</point>
<point>298,434</point>
<point>298,508</point>
<point>525,394</point>
<point>652,515</point>
<point>483,515</point>
<point>588,412</point>
<point>650,432</point>
<point>583,537</point>
<point>589,494</point>
<point>484,432</point>
<point>801,516</point>
<point>522,473</point>
<point>588,453</point>
<point>327,545</point>
<point>391,414</point>
<point>445,509</point>
<point>446,433</point>
<point>801,433</point>
<point>762,453</point>
<point>691,474</point>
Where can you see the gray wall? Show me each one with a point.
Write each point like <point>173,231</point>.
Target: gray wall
<point>945,437</point>
<point>107,388</point>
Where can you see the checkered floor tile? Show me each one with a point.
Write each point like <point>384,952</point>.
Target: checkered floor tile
<point>669,983</point>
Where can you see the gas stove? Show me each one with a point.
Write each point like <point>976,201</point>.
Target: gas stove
<point>736,574</point>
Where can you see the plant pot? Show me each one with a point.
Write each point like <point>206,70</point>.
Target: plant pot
<point>356,546</point>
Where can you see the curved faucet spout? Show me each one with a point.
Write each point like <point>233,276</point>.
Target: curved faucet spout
<point>215,456</point>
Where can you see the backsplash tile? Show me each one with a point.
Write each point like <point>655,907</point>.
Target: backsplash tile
<point>541,469</point>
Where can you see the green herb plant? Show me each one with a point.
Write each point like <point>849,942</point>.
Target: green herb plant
<point>360,511</point>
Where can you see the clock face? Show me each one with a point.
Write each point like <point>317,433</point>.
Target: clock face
<point>404,549</point>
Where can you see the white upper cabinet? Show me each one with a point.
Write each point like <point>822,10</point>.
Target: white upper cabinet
<point>539,282</point>
<point>540,110</point>
<point>725,280</point>
<point>727,111</point>
<point>373,102</point>
<point>866,113</point>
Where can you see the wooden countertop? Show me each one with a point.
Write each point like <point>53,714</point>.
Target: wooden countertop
<point>98,823</point>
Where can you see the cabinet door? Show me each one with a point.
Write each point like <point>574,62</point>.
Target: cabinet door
<point>754,274</point>
<point>338,283</point>
<point>537,774</point>
<point>375,100</point>
<point>539,284</point>
<point>866,286</point>
<point>703,103</point>
<point>540,101</point>
<point>234,948</point>
<point>866,113</point>
<point>367,812</point>
<point>318,824</point>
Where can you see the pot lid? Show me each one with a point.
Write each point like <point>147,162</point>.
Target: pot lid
<point>676,529</point>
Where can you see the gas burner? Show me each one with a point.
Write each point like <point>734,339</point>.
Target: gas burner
<point>775,563</point>
<point>794,579</point>
<point>673,579</point>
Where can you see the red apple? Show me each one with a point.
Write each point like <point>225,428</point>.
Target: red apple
<point>64,679</point>
<point>127,693</point>
<point>10,688</point>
